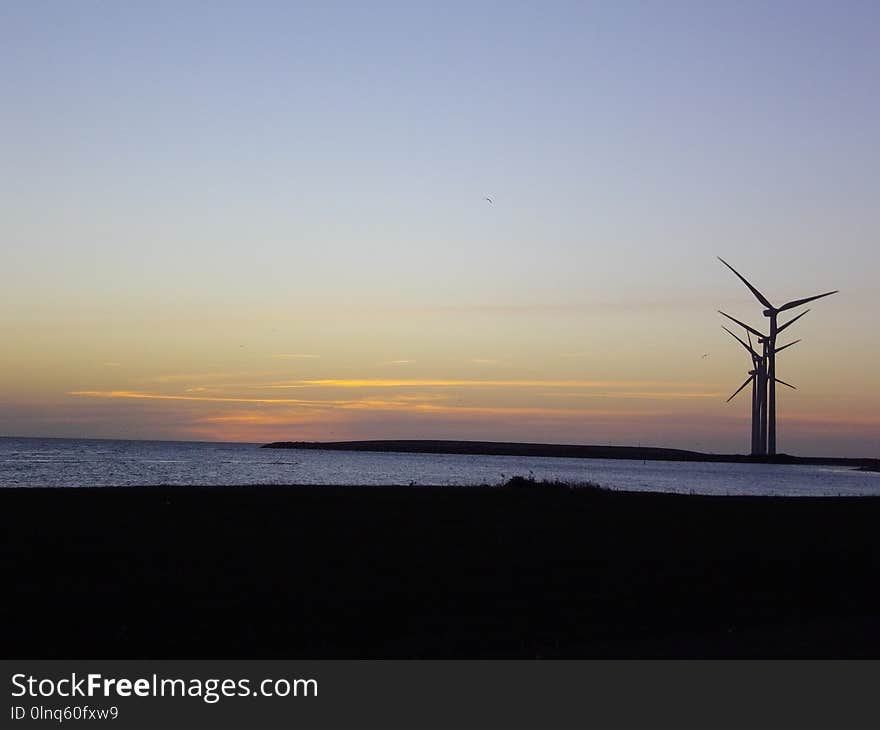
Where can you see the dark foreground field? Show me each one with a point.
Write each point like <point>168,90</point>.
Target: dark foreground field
<point>434,572</point>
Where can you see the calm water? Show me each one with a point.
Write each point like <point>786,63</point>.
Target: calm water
<point>78,463</point>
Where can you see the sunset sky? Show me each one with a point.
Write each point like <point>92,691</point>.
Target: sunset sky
<point>268,220</point>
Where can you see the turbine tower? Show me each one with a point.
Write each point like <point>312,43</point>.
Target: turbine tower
<point>770,349</point>
<point>759,401</point>
<point>758,378</point>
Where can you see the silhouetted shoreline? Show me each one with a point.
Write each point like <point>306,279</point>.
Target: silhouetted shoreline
<point>370,572</point>
<point>569,451</point>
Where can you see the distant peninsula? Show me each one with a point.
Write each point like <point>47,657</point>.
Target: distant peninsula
<point>568,451</point>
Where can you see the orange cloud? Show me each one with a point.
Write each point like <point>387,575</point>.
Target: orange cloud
<point>452,383</point>
<point>400,403</point>
<point>203,398</point>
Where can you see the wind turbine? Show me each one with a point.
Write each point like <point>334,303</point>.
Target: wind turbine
<point>758,378</point>
<point>772,313</point>
<point>759,391</point>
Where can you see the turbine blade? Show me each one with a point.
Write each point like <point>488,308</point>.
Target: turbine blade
<point>736,392</point>
<point>748,347</point>
<point>743,325</point>
<point>782,382</point>
<point>780,349</point>
<point>736,337</point>
<point>798,302</point>
<point>791,321</point>
<point>760,297</point>
<point>755,356</point>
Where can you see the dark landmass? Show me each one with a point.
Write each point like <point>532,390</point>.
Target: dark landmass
<point>571,451</point>
<point>378,572</point>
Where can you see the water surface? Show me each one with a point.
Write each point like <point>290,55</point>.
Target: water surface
<point>32,462</point>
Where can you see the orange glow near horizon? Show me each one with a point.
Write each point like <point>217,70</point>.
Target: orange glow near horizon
<point>620,387</point>
<point>489,409</point>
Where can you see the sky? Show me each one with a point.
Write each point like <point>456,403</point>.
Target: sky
<point>268,220</point>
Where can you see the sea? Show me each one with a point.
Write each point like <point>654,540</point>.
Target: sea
<point>38,462</point>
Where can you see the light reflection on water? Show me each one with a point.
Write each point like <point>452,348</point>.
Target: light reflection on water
<point>78,463</point>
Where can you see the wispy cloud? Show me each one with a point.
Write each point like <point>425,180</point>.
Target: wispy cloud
<point>406,404</point>
<point>463,383</point>
<point>295,356</point>
<point>641,394</point>
<point>431,396</point>
<point>401,401</point>
<point>399,362</point>
<point>570,307</point>
<point>261,418</point>
<point>136,395</point>
<point>208,376</point>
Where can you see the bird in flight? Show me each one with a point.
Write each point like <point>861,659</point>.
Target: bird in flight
<point>705,356</point>
<point>492,202</point>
